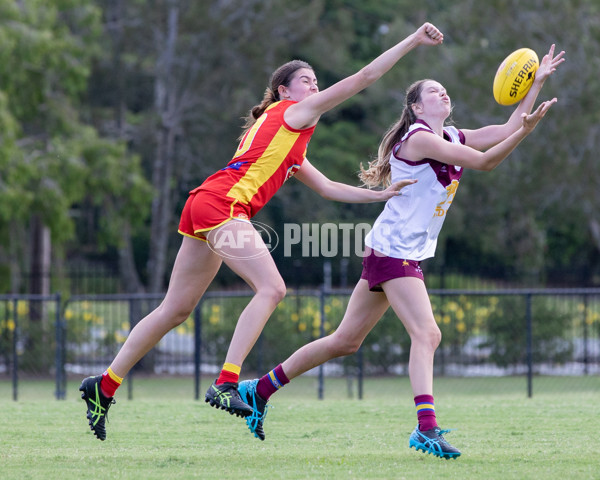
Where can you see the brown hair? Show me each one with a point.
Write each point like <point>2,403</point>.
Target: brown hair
<point>379,171</point>
<point>282,76</point>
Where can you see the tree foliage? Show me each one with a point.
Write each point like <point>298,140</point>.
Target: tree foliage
<point>110,111</point>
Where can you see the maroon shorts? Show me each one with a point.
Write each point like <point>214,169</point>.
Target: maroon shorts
<point>204,211</point>
<point>379,268</point>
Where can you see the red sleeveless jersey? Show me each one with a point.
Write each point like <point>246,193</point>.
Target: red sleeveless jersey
<point>268,154</point>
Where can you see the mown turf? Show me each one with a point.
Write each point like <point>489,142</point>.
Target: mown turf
<point>164,434</point>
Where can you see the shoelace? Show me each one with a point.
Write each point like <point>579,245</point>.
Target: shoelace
<point>112,402</point>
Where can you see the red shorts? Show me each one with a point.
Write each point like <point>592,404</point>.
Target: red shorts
<point>205,210</point>
<point>379,268</point>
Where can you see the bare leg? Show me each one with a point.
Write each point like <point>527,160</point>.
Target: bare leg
<point>365,308</point>
<point>409,299</point>
<point>247,255</point>
<point>195,267</point>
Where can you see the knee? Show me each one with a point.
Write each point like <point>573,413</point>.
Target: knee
<point>429,337</point>
<point>274,291</point>
<point>176,314</point>
<point>342,346</point>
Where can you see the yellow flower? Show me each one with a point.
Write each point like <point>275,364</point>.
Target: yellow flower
<point>295,317</point>
<point>461,327</point>
<point>68,314</point>
<point>452,306</point>
<point>22,308</point>
<point>119,337</point>
<point>302,327</point>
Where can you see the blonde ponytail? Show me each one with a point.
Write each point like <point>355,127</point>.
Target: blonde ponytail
<point>380,170</point>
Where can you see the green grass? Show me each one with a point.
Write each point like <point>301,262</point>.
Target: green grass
<point>165,434</point>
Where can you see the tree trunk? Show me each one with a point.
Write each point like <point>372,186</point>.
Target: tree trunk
<point>40,257</point>
<point>162,175</point>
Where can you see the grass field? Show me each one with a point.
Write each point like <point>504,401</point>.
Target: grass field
<point>164,434</point>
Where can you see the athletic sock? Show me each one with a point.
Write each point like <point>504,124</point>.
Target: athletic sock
<point>229,374</point>
<point>425,412</point>
<point>271,382</point>
<point>109,383</point>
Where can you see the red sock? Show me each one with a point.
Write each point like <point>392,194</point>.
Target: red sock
<point>229,374</point>
<point>425,412</point>
<point>109,383</point>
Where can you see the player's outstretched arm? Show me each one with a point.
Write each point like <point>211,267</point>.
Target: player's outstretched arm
<point>488,136</point>
<point>307,112</point>
<point>342,192</point>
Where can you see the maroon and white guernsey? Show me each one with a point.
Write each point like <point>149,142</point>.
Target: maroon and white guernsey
<point>409,225</point>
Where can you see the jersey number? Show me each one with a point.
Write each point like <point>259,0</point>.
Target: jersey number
<point>246,142</point>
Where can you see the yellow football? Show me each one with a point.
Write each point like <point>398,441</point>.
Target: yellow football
<point>515,76</point>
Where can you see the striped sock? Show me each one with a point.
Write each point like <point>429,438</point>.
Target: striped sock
<point>425,412</point>
<point>229,374</point>
<point>271,382</point>
<point>109,383</point>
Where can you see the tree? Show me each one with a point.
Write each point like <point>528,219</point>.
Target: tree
<point>49,155</point>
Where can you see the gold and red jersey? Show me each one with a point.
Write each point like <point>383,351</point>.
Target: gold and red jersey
<point>268,154</point>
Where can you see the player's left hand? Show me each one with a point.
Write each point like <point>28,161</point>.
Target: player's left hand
<point>548,64</point>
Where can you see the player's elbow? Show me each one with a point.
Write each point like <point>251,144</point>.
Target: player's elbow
<point>488,167</point>
<point>327,190</point>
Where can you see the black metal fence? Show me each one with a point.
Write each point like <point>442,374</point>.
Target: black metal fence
<point>524,332</point>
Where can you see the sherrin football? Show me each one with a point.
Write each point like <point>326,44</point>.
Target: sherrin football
<point>515,76</point>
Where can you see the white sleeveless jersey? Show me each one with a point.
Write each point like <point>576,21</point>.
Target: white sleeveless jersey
<point>409,225</point>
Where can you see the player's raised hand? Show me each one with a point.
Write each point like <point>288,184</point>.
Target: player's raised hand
<point>428,34</point>
<point>530,121</point>
<point>549,63</point>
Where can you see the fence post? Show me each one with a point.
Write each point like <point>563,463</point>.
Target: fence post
<point>15,375</point>
<point>60,356</point>
<point>529,347</point>
<point>132,320</point>
<point>197,348</point>
<point>360,372</point>
<point>585,336</point>
<point>322,334</point>
<point>325,290</point>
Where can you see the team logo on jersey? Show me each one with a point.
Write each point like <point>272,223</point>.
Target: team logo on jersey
<point>242,216</point>
<point>234,166</point>
<point>291,171</point>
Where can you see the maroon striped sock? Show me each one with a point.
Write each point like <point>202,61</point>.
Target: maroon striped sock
<point>425,412</point>
<point>271,382</point>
